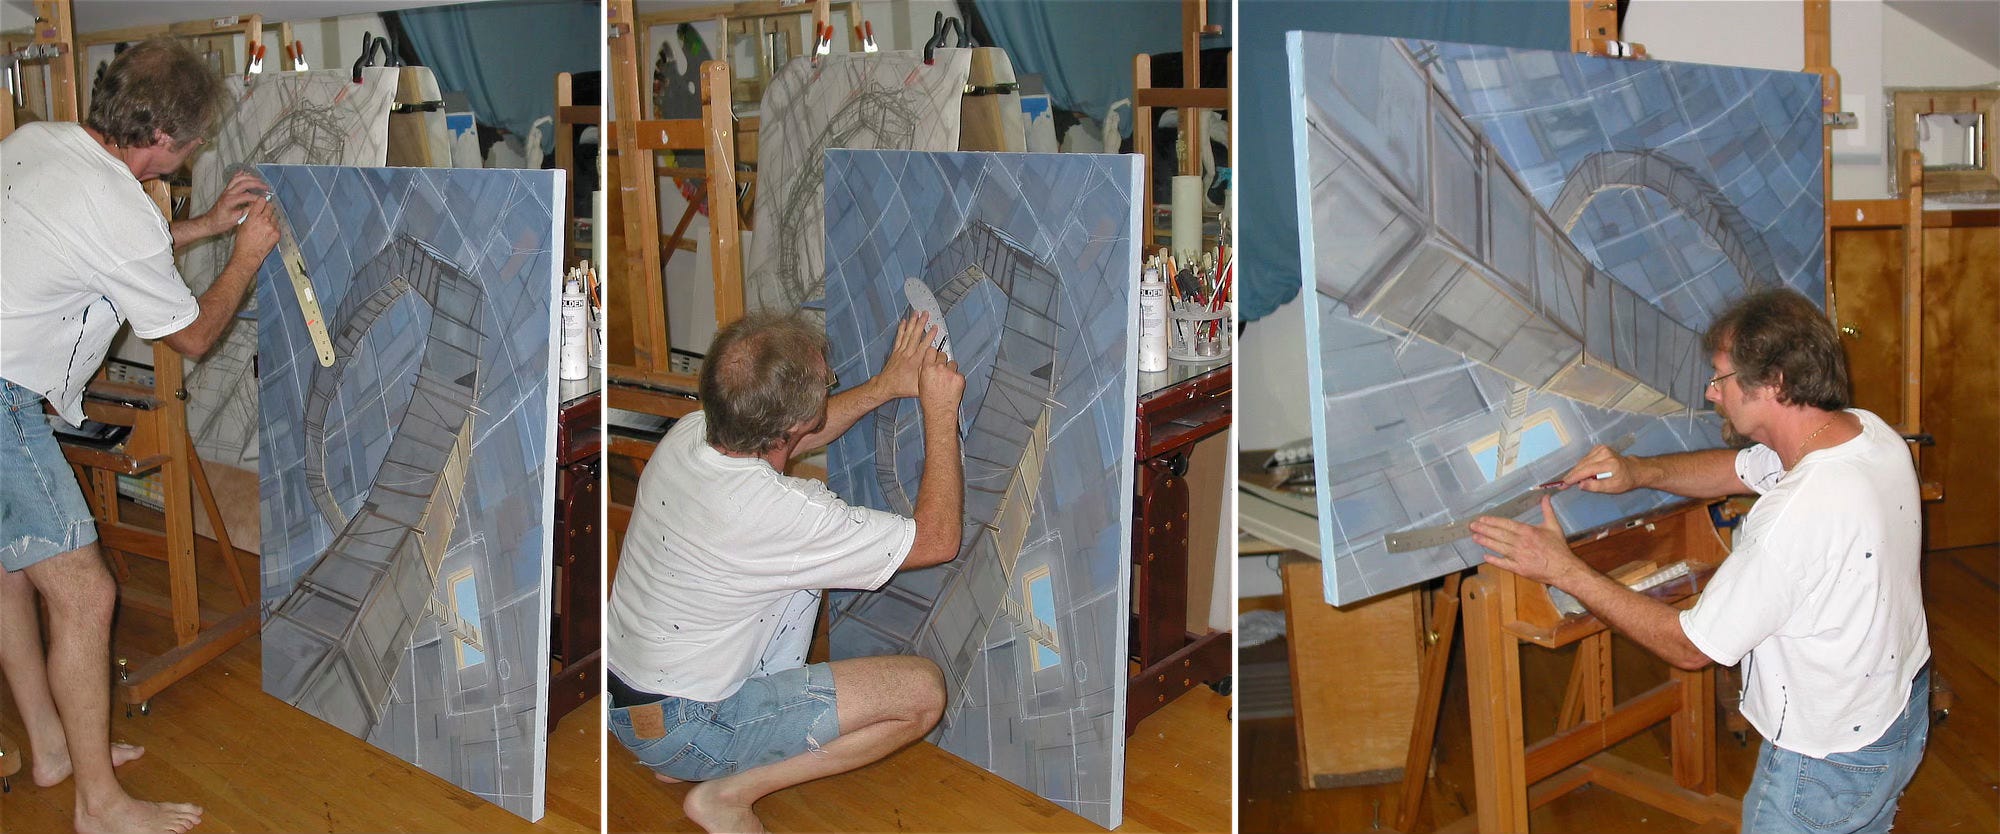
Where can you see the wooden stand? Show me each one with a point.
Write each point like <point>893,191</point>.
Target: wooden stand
<point>1502,611</point>
<point>159,441</point>
<point>1190,99</point>
<point>576,633</point>
<point>1171,660</point>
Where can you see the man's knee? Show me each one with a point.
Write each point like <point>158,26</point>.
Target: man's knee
<point>926,691</point>
<point>76,586</point>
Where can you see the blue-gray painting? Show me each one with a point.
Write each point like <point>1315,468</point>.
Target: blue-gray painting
<point>1033,260</point>
<point>408,487</point>
<point>1515,253</point>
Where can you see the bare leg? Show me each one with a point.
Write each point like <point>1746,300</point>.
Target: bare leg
<point>883,703</point>
<point>27,675</point>
<point>80,594</point>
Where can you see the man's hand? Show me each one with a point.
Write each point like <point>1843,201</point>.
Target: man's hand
<point>1624,474</point>
<point>907,356</point>
<point>242,191</point>
<point>256,236</point>
<point>939,384</point>
<point>1538,552</point>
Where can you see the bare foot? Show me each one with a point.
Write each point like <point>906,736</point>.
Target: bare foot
<point>53,768</point>
<point>665,778</point>
<point>133,816</point>
<point>717,815</point>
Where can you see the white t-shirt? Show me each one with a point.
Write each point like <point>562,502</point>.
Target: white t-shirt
<point>82,248</point>
<point>721,555</point>
<point>1822,593</point>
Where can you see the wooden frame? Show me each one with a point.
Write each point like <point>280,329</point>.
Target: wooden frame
<point>1189,99</point>
<point>759,18</point>
<point>649,383</point>
<point>1909,105</point>
<point>250,27</point>
<point>59,101</point>
<point>1503,611</point>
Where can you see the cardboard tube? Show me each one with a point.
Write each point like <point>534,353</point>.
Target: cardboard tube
<point>1187,217</point>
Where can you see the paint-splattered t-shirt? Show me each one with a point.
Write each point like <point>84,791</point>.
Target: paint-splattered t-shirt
<point>722,564</point>
<point>1820,598</point>
<point>82,249</point>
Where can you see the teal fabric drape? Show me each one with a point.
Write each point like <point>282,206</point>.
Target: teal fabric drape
<point>505,55</point>
<point>1083,48</point>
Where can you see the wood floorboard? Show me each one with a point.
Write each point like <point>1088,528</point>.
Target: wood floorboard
<point>1956,789</point>
<point>1176,779</point>
<point>256,764</point>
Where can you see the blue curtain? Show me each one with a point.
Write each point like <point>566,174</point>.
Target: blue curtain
<point>1267,212</point>
<point>505,55</point>
<point>1083,48</point>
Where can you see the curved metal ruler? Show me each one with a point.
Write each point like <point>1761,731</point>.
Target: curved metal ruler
<point>1419,538</point>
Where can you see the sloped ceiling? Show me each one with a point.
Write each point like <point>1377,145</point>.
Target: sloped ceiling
<point>1973,25</point>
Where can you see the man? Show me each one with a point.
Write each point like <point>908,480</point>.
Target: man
<point>82,250</point>
<point>725,558</point>
<point>1820,599</point>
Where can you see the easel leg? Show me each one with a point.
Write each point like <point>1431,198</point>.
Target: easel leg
<point>1693,731</point>
<point>103,495</point>
<point>174,483</point>
<point>207,495</point>
<point>1493,671</point>
<point>1430,702</point>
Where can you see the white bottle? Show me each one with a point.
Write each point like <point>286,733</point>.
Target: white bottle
<point>575,349</point>
<point>1152,322</point>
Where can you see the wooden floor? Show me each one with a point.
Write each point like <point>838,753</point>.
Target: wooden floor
<point>1956,789</point>
<point>255,763</point>
<point>1176,779</point>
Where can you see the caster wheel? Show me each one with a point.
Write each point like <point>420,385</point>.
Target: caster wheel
<point>1939,716</point>
<point>1224,686</point>
<point>1742,738</point>
<point>5,785</point>
<point>146,707</point>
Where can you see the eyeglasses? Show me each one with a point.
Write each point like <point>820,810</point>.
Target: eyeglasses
<point>832,380</point>
<point>1712,382</point>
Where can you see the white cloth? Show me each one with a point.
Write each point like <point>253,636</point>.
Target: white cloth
<point>722,564</point>
<point>82,248</point>
<point>1822,593</point>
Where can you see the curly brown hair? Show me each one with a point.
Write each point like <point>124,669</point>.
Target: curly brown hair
<point>1778,337</point>
<point>762,377</point>
<point>158,85</point>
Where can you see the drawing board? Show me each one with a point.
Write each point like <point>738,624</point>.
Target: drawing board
<point>886,100</point>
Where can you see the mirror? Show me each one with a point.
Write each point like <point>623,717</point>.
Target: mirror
<point>1953,130</point>
<point>1951,141</point>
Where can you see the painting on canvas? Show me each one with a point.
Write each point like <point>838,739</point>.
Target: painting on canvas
<point>1032,258</point>
<point>1510,256</point>
<point>408,487</point>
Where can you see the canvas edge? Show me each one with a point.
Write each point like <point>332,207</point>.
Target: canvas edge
<point>1309,302</point>
<point>552,394</point>
<point>1128,439</point>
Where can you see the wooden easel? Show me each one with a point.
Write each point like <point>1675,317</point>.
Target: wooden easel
<point>158,441</point>
<point>648,382</point>
<point>1503,611</point>
<point>1190,99</point>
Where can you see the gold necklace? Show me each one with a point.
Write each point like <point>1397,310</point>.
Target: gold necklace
<point>1809,437</point>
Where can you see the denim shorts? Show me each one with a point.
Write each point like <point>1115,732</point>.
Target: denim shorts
<point>1844,792</point>
<point>42,512</point>
<point>770,719</point>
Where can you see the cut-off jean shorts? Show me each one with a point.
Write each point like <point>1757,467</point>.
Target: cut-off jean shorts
<point>770,719</point>
<point>1844,792</point>
<point>42,511</point>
